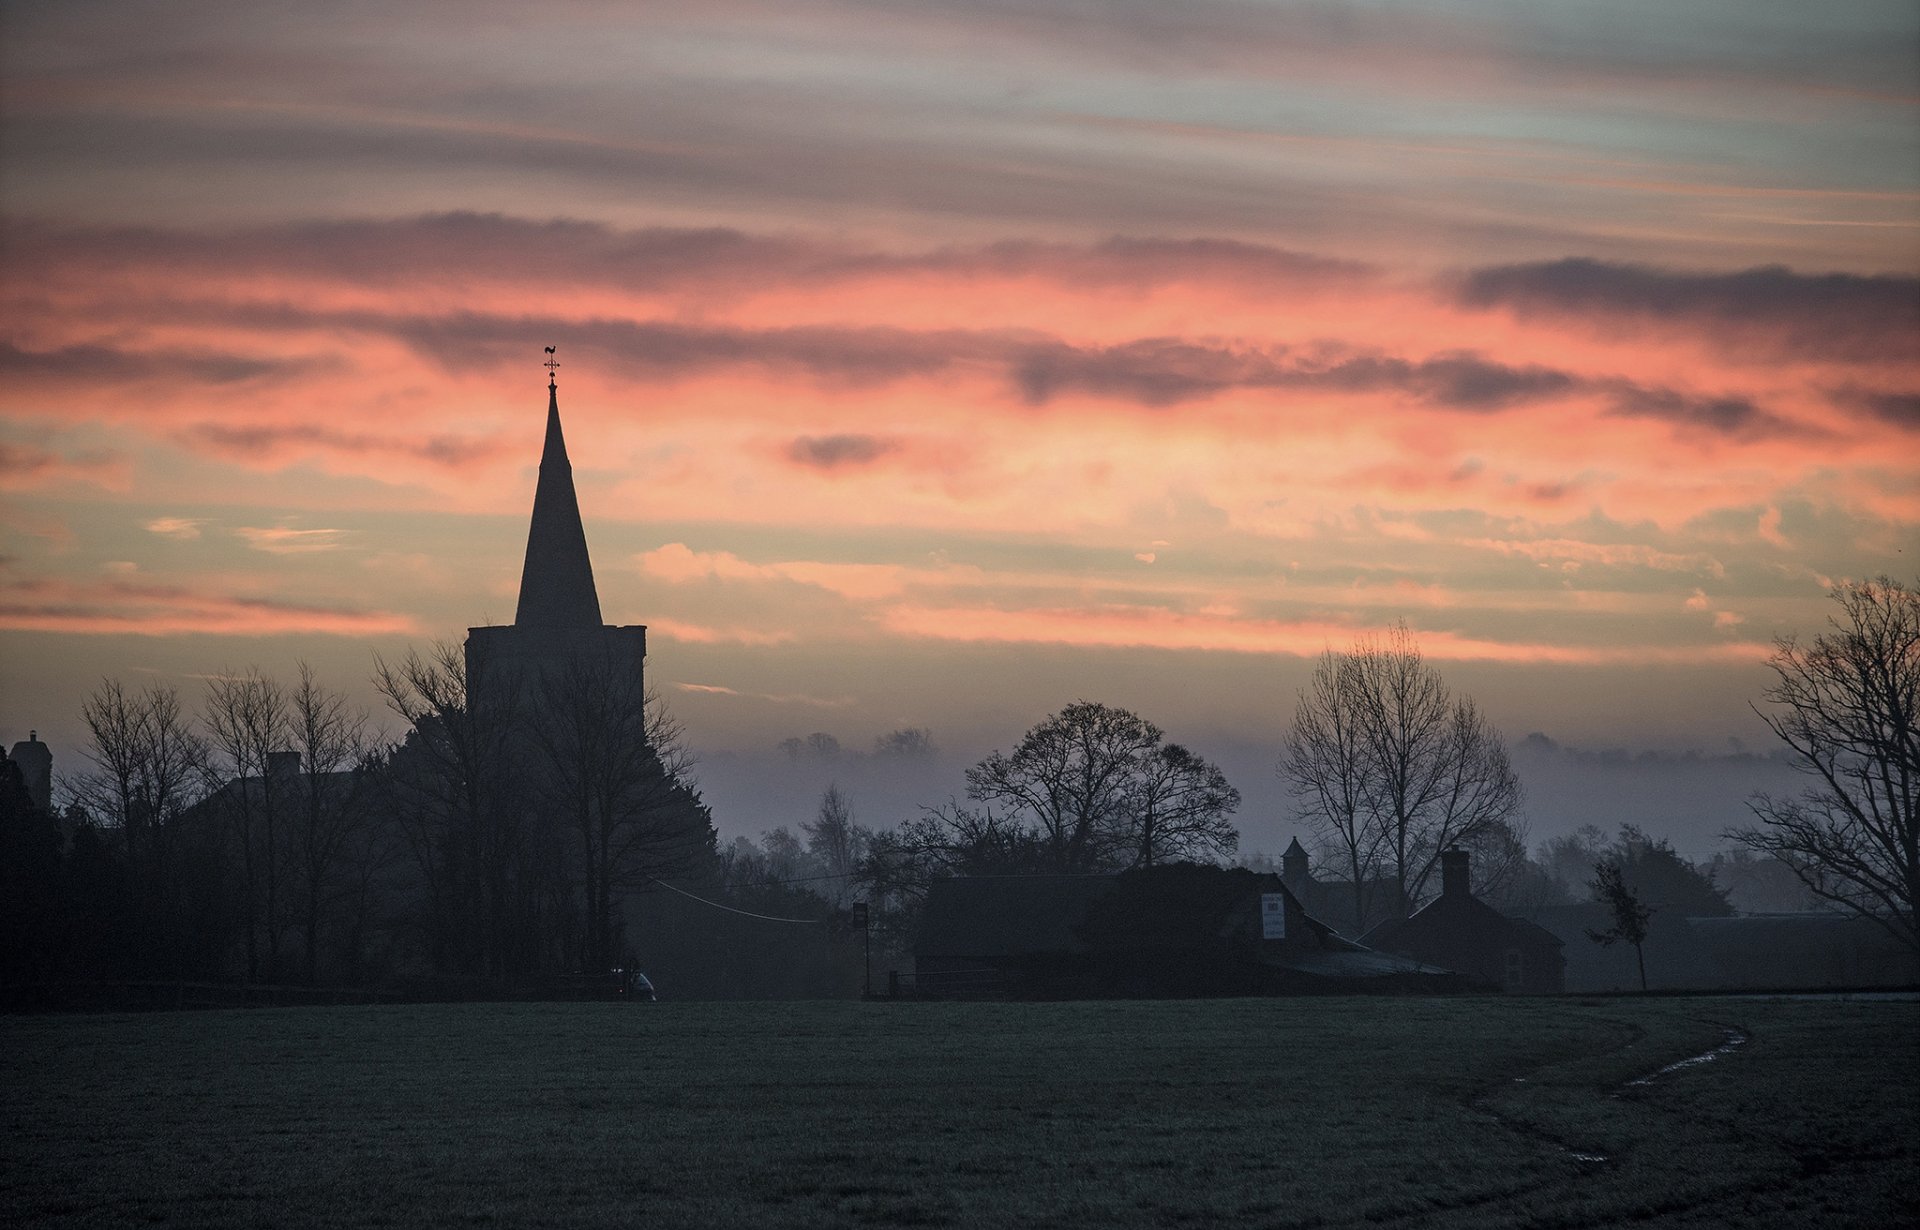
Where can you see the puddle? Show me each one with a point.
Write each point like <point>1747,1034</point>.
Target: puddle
<point>1736,1038</point>
<point>1587,1158</point>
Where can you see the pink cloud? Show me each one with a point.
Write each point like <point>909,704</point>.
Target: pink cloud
<point>119,606</point>
<point>1152,626</point>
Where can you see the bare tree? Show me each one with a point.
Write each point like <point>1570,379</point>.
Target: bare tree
<point>1326,766</point>
<point>614,761</point>
<point>1478,802</point>
<point>1403,707</point>
<point>453,788</point>
<point>1503,875</point>
<point>148,769</point>
<point>1180,804</point>
<point>331,741</point>
<point>1846,707</point>
<point>836,843</point>
<point>247,722</point>
<point>1392,767</point>
<point>1102,791</point>
<point>147,762</point>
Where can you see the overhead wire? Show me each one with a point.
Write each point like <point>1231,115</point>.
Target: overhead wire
<point>733,909</point>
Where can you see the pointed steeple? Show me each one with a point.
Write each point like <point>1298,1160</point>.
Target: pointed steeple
<point>556,584</point>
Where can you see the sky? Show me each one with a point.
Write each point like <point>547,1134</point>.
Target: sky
<point>937,364</point>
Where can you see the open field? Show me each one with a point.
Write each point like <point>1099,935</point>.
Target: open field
<point>1299,1112</point>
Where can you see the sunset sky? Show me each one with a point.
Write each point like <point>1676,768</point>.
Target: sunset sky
<point>938,363</point>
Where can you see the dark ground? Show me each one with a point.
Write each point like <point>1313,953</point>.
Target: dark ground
<point>1298,1112</point>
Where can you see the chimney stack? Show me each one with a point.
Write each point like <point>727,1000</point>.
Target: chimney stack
<point>1453,872</point>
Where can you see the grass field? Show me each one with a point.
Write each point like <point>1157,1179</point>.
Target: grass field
<point>1296,1112</point>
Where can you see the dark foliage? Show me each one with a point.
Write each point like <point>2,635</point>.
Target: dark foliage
<point>1629,916</point>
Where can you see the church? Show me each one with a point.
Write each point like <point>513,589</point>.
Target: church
<point>556,626</point>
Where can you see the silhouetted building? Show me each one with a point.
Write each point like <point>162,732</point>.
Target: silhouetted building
<point>36,769</point>
<point>1814,950</point>
<point>556,625</point>
<point>1465,934</point>
<point>1333,898</point>
<point>1172,929</point>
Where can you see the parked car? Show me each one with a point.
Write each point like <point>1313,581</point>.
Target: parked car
<point>635,986</point>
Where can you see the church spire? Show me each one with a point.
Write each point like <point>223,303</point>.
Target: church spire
<point>556,584</point>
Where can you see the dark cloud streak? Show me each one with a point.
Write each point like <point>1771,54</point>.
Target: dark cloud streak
<point>112,364</point>
<point>467,247</point>
<point>838,451</point>
<point>1841,316</point>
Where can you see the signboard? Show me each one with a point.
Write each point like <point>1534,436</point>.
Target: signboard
<point>859,914</point>
<point>1273,916</point>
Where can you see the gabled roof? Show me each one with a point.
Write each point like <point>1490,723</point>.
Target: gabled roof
<point>1168,909</point>
<point>1460,915</point>
<point>556,582</point>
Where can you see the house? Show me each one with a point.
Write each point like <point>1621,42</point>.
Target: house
<point>1459,931</point>
<point>1178,929</point>
<point>1335,899</point>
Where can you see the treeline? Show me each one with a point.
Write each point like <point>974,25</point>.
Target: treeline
<point>1092,789</point>
<point>523,827</point>
<point>273,837</point>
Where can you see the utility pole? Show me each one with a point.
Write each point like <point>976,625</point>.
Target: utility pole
<point>866,942</point>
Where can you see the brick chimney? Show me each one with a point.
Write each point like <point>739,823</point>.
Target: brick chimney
<point>1453,872</point>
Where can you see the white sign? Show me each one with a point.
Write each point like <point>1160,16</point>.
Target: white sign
<point>1273,916</point>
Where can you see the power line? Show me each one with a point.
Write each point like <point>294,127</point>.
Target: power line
<point>732,909</point>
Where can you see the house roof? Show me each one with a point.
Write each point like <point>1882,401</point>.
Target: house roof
<point>1458,914</point>
<point>1166,909</point>
<point>1006,916</point>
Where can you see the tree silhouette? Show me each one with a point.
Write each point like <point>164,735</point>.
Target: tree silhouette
<point>1848,707</point>
<point>148,764</point>
<point>1101,791</point>
<point>1392,768</point>
<point>332,804</point>
<point>1629,916</point>
<point>613,764</point>
<point>453,789</point>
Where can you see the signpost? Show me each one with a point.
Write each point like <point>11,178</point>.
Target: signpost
<point>1273,916</point>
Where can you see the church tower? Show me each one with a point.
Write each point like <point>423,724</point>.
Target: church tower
<point>556,582</point>
<point>556,625</point>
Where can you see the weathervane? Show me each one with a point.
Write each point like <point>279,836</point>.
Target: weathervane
<point>550,364</point>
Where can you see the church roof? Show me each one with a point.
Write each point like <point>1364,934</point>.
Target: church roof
<point>556,583</point>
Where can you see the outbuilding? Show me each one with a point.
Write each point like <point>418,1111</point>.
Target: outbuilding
<point>1179,929</point>
<point>1459,931</point>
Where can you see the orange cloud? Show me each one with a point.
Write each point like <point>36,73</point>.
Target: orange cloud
<point>710,634</point>
<point>1156,627</point>
<point>282,540</point>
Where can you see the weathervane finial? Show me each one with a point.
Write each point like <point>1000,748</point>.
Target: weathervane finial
<point>550,364</point>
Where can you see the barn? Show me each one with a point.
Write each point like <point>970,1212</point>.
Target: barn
<point>1179,929</point>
